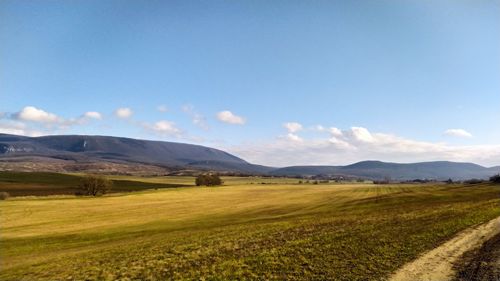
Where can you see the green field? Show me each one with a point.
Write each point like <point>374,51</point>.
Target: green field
<point>40,184</point>
<point>243,230</point>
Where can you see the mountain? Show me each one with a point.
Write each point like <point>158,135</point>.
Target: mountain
<point>495,169</point>
<point>305,171</point>
<point>438,170</point>
<point>125,155</point>
<point>85,149</point>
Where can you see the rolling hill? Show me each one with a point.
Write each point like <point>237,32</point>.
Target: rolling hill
<point>438,170</point>
<point>125,154</point>
<point>85,149</point>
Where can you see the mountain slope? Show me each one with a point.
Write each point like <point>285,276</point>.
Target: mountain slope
<point>115,149</point>
<point>439,170</point>
<point>125,155</point>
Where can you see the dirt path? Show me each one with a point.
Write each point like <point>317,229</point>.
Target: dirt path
<point>482,264</point>
<point>437,264</point>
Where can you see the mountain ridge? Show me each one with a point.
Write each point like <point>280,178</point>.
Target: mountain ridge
<point>85,148</point>
<point>374,169</point>
<point>80,150</point>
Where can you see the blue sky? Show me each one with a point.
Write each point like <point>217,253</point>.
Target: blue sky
<point>421,78</point>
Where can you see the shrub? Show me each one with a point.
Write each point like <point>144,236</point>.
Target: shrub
<point>94,185</point>
<point>381,182</point>
<point>474,181</point>
<point>208,180</point>
<point>4,195</point>
<point>495,178</point>
<point>79,192</point>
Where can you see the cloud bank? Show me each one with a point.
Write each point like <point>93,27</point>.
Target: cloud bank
<point>33,121</point>
<point>340,147</point>
<point>298,145</point>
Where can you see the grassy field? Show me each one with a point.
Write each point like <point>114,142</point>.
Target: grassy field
<point>42,183</point>
<point>39,184</point>
<point>244,230</point>
<point>189,180</point>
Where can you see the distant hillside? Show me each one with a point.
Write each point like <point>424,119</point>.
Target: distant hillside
<point>125,155</point>
<point>439,170</point>
<point>84,149</point>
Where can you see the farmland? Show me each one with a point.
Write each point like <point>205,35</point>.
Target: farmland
<point>43,183</point>
<point>244,229</point>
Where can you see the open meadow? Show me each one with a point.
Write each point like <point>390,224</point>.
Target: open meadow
<point>242,230</point>
<point>44,183</point>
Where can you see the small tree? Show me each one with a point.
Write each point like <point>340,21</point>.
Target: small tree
<point>495,178</point>
<point>208,180</point>
<point>94,185</point>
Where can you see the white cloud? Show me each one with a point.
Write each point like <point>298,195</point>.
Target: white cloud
<point>124,112</point>
<point>361,134</point>
<point>227,116</point>
<point>319,128</point>
<point>294,137</point>
<point>335,131</point>
<point>164,127</point>
<point>358,144</point>
<point>200,121</point>
<point>82,120</point>
<point>162,108</point>
<point>341,144</point>
<point>17,128</point>
<point>461,133</point>
<point>32,121</point>
<point>197,119</point>
<point>33,114</point>
<point>92,115</point>
<point>293,127</point>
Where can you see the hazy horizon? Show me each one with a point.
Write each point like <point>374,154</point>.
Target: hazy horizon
<point>276,83</point>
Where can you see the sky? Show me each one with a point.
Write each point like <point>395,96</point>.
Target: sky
<point>275,82</point>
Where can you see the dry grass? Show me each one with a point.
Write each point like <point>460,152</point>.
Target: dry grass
<point>275,231</point>
<point>43,183</point>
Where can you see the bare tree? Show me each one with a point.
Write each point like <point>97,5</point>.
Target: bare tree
<point>95,185</point>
